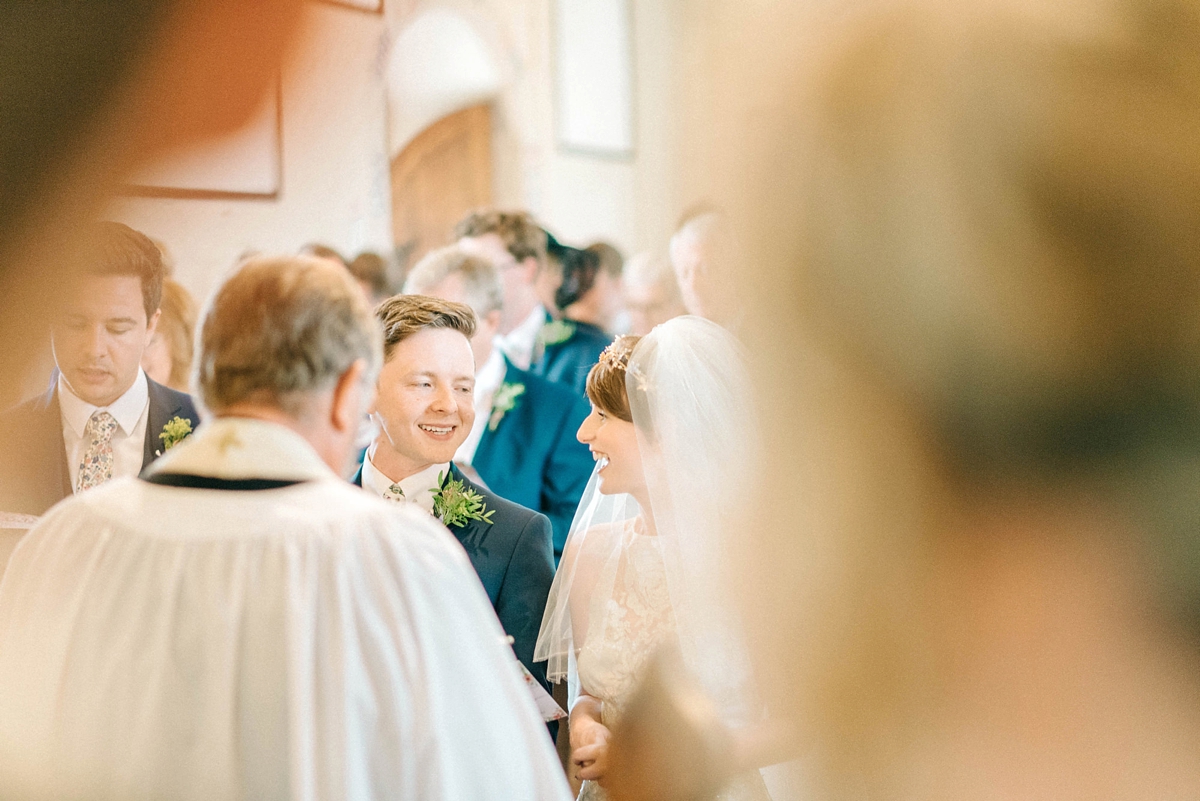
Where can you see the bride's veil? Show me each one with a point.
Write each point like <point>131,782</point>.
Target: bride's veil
<point>689,395</point>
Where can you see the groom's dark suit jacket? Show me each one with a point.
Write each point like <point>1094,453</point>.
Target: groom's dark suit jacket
<point>532,456</point>
<point>33,458</point>
<point>514,562</point>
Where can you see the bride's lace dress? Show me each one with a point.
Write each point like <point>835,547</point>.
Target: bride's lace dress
<point>639,619</point>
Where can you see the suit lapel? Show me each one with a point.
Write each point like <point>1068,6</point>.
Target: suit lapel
<point>158,415</point>
<point>54,440</point>
<point>470,534</point>
<point>487,448</point>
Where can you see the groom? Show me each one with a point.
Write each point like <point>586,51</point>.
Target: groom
<point>425,409</point>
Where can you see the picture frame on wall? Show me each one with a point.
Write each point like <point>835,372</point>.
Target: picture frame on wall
<point>594,77</point>
<point>247,164</point>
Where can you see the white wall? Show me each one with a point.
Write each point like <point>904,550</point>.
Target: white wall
<point>335,186</point>
<point>335,170</point>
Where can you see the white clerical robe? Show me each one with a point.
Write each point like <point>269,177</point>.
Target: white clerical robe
<point>303,642</point>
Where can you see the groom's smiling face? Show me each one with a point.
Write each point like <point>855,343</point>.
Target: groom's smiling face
<point>425,403</point>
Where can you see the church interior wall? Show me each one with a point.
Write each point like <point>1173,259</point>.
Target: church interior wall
<point>335,143</point>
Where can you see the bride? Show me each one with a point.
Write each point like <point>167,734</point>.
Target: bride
<point>671,429</point>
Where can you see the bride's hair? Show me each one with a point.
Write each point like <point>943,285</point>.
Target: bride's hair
<point>606,381</point>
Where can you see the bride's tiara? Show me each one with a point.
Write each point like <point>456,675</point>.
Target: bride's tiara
<point>614,358</point>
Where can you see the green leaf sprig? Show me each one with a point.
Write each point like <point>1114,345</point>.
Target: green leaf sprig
<point>174,432</point>
<point>504,402</point>
<point>455,504</point>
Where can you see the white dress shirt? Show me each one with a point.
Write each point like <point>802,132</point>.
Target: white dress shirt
<point>520,342</point>
<point>418,488</point>
<point>131,412</point>
<point>487,380</point>
<point>305,642</point>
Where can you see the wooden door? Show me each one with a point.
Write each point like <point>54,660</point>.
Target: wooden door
<point>445,172</point>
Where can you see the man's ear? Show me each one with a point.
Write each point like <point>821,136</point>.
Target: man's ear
<point>152,325</point>
<point>529,269</point>
<point>347,407</point>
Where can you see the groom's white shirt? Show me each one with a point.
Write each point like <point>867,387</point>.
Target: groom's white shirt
<point>309,641</point>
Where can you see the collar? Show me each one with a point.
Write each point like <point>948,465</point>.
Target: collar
<point>490,376</point>
<point>522,338</point>
<point>242,448</point>
<point>126,410</point>
<point>418,488</point>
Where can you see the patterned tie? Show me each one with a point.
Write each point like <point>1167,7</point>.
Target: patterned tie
<point>394,493</point>
<point>97,464</point>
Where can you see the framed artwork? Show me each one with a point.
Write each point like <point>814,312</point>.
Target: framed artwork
<point>593,47</point>
<point>247,164</point>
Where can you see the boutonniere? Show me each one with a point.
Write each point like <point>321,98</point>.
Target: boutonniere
<point>557,331</point>
<point>174,432</point>
<point>504,402</point>
<point>455,504</point>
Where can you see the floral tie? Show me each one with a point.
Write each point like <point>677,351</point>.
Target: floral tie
<point>97,464</point>
<point>394,493</point>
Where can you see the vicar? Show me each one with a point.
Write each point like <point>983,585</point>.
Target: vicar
<point>102,417</point>
<point>425,409</point>
<point>241,623</point>
<point>522,443</point>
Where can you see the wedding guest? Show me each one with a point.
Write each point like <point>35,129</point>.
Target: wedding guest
<point>168,357</point>
<point>651,292</point>
<point>516,247</point>
<point>372,273</point>
<point>603,305</point>
<point>242,623</point>
<point>425,410</point>
<point>704,259</point>
<point>102,417</point>
<point>570,346</point>
<point>522,443</point>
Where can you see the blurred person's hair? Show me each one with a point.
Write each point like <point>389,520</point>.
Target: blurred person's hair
<point>405,315</point>
<point>177,324</point>
<point>522,237</point>
<point>279,329</point>
<point>611,260</point>
<point>987,213</point>
<point>371,270</point>
<point>480,279</point>
<point>323,252</point>
<point>652,269</point>
<point>578,269</point>
<point>113,248</point>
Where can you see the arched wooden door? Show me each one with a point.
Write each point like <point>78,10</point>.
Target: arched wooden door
<point>445,172</point>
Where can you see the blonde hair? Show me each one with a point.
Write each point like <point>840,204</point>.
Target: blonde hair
<point>404,315</point>
<point>177,324</point>
<point>279,329</point>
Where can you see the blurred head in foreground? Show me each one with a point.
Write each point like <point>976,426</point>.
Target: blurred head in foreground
<point>291,340</point>
<point>980,275</point>
<point>88,92</point>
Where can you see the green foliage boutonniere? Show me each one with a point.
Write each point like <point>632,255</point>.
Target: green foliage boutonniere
<point>504,402</point>
<point>174,432</point>
<point>557,331</point>
<point>454,504</point>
